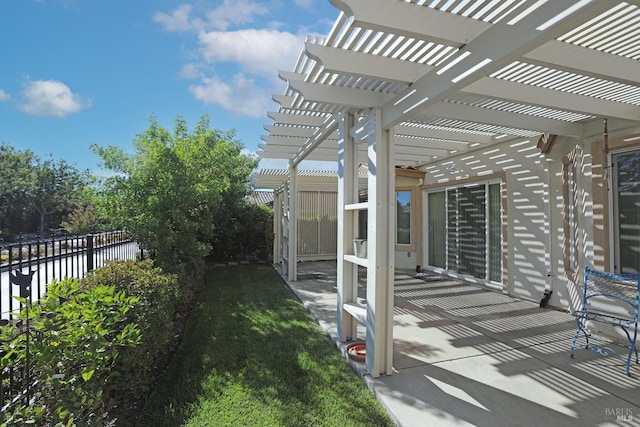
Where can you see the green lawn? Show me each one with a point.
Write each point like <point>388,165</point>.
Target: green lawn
<point>252,355</point>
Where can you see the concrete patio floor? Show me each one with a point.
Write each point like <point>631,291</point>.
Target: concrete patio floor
<point>465,355</point>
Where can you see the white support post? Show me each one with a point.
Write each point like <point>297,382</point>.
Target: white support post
<point>380,236</point>
<point>285,230</point>
<point>292,273</point>
<point>277,226</point>
<point>347,279</point>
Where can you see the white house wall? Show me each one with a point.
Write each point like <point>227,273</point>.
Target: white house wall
<point>594,218</point>
<point>535,230</point>
<point>566,281</point>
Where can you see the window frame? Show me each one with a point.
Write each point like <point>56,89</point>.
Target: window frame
<point>412,221</point>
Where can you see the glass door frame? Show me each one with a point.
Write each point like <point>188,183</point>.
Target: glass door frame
<point>425,231</point>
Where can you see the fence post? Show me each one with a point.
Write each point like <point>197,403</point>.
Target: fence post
<point>89,252</point>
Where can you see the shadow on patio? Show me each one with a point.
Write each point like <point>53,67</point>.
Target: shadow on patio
<point>467,355</point>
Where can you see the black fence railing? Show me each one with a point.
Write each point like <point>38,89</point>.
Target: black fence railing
<point>57,258</point>
<point>41,261</point>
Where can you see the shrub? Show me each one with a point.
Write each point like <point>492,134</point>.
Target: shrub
<point>247,233</point>
<point>257,233</point>
<point>97,350</point>
<point>158,296</point>
<point>80,333</point>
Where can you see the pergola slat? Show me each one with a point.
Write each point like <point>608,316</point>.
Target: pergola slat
<point>499,45</point>
<point>378,53</point>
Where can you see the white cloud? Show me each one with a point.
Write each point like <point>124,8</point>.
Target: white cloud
<point>191,71</point>
<point>51,98</point>
<point>230,12</point>
<point>252,52</point>
<point>235,12</point>
<point>4,96</point>
<point>241,96</point>
<point>260,51</point>
<point>178,20</point>
<point>303,3</point>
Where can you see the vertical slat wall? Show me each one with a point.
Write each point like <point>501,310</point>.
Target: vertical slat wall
<point>328,223</point>
<point>308,223</point>
<point>317,224</point>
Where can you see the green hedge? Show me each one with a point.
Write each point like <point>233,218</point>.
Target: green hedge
<point>104,340</point>
<point>76,337</point>
<point>243,233</point>
<point>158,295</point>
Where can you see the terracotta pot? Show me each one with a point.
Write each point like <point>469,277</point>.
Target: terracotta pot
<point>357,351</point>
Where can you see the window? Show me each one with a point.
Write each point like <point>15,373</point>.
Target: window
<point>626,211</point>
<point>403,217</point>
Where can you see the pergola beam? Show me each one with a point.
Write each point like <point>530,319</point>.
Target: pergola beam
<point>411,151</point>
<point>285,101</point>
<point>418,147</point>
<point>490,51</point>
<point>450,29</point>
<point>313,156</point>
<point>345,96</point>
<point>295,141</point>
<point>296,119</point>
<point>418,131</point>
<point>584,61</point>
<point>275,142</point>
<point>503,119</point>
<point>374,67</point>
<point>527,94</point>
<point>291,150</point>
<point>305,132</point>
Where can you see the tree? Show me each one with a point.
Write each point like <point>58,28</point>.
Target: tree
<point>16,183</point>
<point>168,194</point>
<point>84,220</point>
<point>57,189</point>
<point>32,190</point>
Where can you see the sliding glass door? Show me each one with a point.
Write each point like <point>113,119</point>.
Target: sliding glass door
<point>626,211</point>
<point>437,229</point>
<point>464,230</point>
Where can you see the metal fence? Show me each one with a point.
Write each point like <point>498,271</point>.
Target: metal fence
<point>57,258</point>
<point>41,261</point>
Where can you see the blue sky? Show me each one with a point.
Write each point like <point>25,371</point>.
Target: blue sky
<point>78,72</point>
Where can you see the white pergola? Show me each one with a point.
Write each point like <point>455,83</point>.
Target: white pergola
<point>406,82</point>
